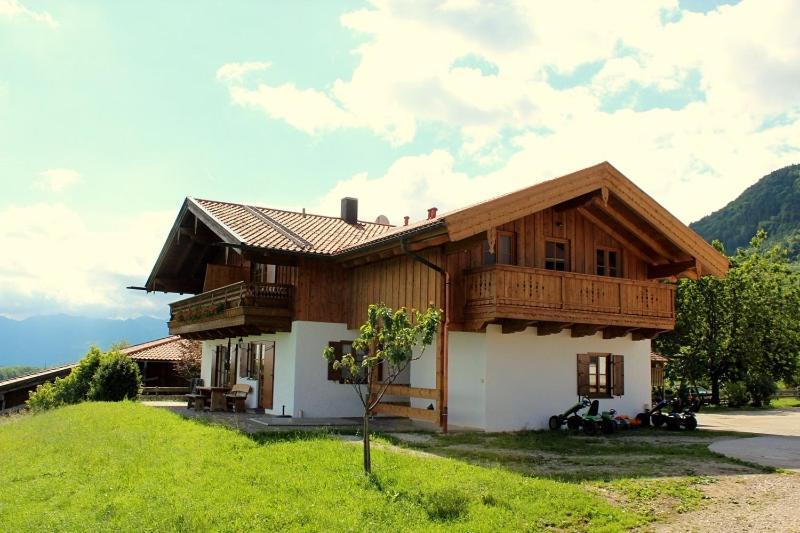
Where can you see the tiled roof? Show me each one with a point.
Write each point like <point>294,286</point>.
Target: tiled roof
<point>658,357</point>
<point>291,231</point>
<point>166,349</point>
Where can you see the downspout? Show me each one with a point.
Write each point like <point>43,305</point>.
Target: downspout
<point>445,326</point>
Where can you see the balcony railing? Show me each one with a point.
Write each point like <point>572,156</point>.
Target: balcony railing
<point>513,287</point>
<point>214,303</point>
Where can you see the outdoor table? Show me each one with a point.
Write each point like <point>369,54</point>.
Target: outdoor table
<point>217,394</point>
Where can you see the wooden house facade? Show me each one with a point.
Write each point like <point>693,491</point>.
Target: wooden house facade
<point>556,288</point>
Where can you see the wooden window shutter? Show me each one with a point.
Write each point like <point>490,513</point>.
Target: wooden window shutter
<point>618,375</point>
<point>335,374</point>
<point>583,374</point>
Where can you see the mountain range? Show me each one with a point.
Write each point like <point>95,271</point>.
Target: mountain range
<point>55,339</point>
<point>772,204</point>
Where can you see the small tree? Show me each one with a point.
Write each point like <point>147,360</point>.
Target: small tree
<point>190,359</point>
<point>387,336</point>
<point>116,379</point>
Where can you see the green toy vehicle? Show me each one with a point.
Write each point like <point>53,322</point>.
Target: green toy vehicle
<point>570,417</point>
<point>595,421</point>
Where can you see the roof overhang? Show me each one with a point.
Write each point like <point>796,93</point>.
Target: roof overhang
<point>603,194</point>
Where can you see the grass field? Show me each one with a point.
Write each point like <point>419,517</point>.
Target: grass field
<point>129,467</point>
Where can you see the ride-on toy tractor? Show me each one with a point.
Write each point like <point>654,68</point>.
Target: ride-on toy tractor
<point>570,417</point>
<point>674,418</point>
<point>594,420</point>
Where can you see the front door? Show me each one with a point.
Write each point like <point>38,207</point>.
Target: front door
<point>267,374</point>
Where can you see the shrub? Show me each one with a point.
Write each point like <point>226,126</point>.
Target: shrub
<point>116,379</point>
<point>76,385</point>
<point>737,393</point>
<point>102,377</point>
<point>46,396</point>
<point>761,388</point>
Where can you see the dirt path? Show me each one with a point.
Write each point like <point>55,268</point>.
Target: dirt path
<point>756,502</point>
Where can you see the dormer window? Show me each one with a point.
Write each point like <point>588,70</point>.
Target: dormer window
<point>504,249</point>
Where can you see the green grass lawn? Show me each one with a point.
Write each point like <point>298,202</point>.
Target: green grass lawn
<point>129,467</point>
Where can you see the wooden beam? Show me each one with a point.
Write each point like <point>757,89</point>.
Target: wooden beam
<point>644,334</point>
<point>579,201</point>
<point>550,328</point>
<point>514,326</point>
<point>393,409</point>
<point>670,269</point>
<point>584,330</point>
<point>638,231</point>
<point>635,249</point>
<point>428,243</point>
<point>613,332</point>
<point>408,392</point>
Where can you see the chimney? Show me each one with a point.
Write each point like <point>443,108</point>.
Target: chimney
<point>350,210</point>
<point>432,213</point>
<point>405,220</point>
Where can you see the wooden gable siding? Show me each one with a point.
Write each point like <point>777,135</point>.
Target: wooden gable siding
<point>397,282</point>
<point>531,232</point>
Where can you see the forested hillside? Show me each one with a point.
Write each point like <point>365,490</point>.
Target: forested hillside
<point>773,203</point>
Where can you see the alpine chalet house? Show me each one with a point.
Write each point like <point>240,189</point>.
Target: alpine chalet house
<point>549,292</point>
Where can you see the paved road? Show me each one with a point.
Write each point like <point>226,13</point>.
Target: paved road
<point>778,447</point>
<point>785,422</point>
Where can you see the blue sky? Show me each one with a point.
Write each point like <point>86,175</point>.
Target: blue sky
<point>112,112</point>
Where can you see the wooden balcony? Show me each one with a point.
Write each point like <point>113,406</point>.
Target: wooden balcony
<point>558,300</point>
<point>234,310</point>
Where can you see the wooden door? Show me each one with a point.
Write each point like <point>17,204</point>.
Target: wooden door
<point>267,375</point>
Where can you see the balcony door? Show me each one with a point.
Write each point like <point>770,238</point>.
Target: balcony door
<point>263,359</point>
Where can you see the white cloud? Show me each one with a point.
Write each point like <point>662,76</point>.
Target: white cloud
<point>12,8</point>
<point>690,94</point>
<point>235,72</point>
<point>57,179</point>
<point>64,266</point>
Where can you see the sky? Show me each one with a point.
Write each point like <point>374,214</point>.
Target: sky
<point>112,112</point>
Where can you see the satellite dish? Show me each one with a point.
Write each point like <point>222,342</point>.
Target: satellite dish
<point>382,220</point>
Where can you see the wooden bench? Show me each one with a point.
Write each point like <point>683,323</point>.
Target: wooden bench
<point>196,400</point>
<point>238,396</point>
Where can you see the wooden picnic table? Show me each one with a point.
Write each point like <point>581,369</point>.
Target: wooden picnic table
<point>217,394</point>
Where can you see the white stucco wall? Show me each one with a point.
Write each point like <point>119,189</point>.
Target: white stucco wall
<point>315,396</point>
<point>466,398</point>
<point>529,378</point>
<point>497,382</point>
<point>422,373</point>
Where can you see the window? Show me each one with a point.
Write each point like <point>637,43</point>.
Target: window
<point>263,273</point>
<point>343,375</point>
<point>601,375</point>
<point>504,249</point>
<point>607,262</point>
<point>555,255</point>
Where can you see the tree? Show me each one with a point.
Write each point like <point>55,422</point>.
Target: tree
<point>744,328</point>
<point>389,337</point>
<point>190,359</point>
<point>698,346</point>
<point>765,317</point>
